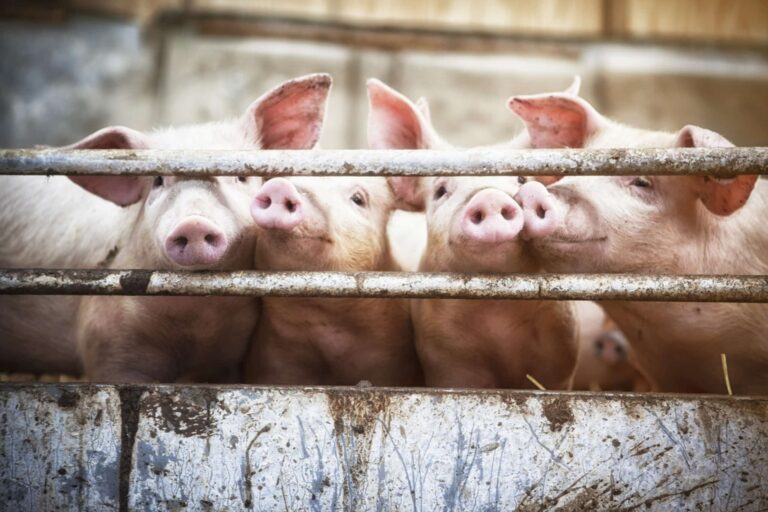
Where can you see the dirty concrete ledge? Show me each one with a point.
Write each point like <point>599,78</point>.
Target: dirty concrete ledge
<point>103,447</point>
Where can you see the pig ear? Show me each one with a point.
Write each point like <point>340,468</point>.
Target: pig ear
<point>408,192</point>
<point>574,87</point>
<point>394,122</point>
<point>423,105</point>
<point>290,116</point>
<point>720,196</point>
<point>558,120</point>
<point>121,190</point>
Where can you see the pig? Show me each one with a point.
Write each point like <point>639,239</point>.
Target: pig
<point>408,229</point>
<point>476,225</point>
<point>146,223</point>
<point>606,362</point>
<point>329,224</point>
<point>660,225</point>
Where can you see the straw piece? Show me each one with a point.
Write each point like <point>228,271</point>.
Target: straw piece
<point>535,382</point>
<point>724,360</point>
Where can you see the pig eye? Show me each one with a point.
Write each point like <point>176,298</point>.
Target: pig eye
<point>641,182</point>
<point>242,179</point>
<point>158,182</point>
<point>521,179</point>
<point>440,191</point>
<point>358,199</point>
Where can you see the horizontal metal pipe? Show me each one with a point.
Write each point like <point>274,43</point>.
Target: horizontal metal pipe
<point>538,162</point>
<point>388,284</point>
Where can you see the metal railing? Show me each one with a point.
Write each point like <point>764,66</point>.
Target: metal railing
<point>721,162</point>
<point>389,285</point>
<point>536,162</point>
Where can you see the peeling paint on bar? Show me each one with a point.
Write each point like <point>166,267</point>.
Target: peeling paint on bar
<point>256,448</point>
<point>388,284</point>
<point>538,162</point>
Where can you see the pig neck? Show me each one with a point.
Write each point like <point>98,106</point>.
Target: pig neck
<point>511,337</point>
<point>489,309</point>
<point>671,338</point>
<point>336,324</point>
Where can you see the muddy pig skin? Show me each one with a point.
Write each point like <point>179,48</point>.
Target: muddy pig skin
<point>145,223</point>
<point>660,225</point>
<point>329,223</point>
<point>476,225</point>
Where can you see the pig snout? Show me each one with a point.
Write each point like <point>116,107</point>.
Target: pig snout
<point>539,212</point>
<point>492,216</point>
<point>611,348</point>
<point>277,205</point>
<point>196,241</point>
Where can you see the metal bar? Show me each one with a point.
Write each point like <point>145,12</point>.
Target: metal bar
<point>538,162</point>
<point>388,285</point>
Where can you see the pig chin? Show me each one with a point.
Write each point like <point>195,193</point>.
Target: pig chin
<point>295,249</point>
<point>486,255</point>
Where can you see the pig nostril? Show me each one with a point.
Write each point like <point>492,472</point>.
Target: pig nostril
<point>477,217</point>
<point>210,239</point>
<point>264,202</point>
<point>181,241</point>
<point>508,213</point>
<point>541,212</point>
<point>290,205</point>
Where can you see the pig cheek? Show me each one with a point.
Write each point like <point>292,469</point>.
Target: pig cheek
<point>359,244</point>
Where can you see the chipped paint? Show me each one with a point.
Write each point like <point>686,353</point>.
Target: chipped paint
<point>381,449</point>
<point>256,448</point>
<point>725,288</point>
<point>723,162</point>
<point>59,447</point>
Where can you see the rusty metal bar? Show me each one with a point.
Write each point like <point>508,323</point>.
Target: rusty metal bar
<point>538,162</point>
<point>388,284</point>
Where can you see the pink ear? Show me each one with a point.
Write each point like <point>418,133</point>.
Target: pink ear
<point>408,192</point>
<point>574,87</point>
<point>556,120</point>
<point>121,190</point>
<point>289,116</point>
<point>423,105</point>
<point>720,196</point>
<point>394,122</point>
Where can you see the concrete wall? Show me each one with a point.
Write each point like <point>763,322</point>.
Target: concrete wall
<point>65,447</point>
<point>60,81</point>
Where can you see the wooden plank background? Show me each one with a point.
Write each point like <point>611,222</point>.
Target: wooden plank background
<point>725,21</point>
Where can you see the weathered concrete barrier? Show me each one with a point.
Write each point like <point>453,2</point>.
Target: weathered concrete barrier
<point>222,448</point>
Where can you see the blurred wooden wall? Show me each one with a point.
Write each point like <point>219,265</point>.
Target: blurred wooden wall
<point>719,21</point>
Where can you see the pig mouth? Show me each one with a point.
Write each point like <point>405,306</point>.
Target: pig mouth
<point>575,240</point>
<point>299,237</point>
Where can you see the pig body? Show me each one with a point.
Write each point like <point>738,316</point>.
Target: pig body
<point>148,223</point>
<point>661,225</point>
<point>476,225</point>
<point>329,224</point>
<point>37,333</point>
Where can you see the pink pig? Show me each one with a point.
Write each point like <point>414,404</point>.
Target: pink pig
<point>309,223</point>
<point>148,223</point>
<point>477,224</point>
<point>606,361</point>
<point>660,225</point>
